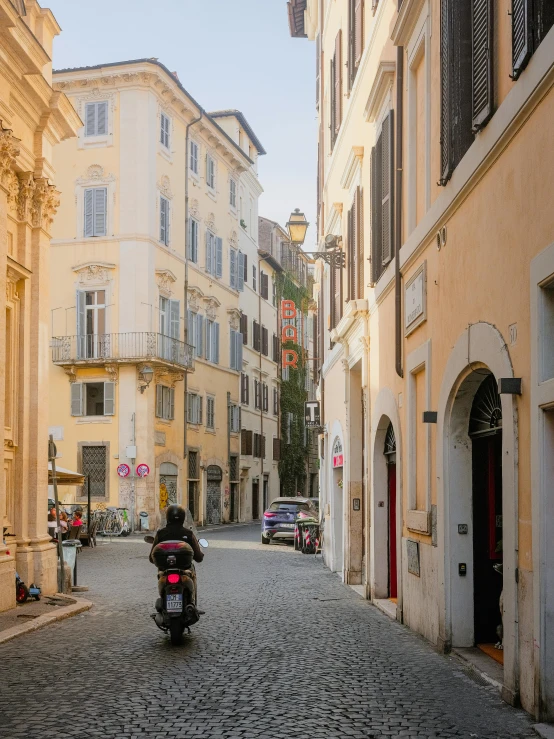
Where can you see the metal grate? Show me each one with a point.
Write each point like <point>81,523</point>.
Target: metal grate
<point>486,412</point>
<point>193,466</point>
<point>390,441</point>
<point>94,467</point>
<point>234,469</point>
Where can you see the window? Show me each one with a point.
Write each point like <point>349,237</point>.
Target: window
<point>246,442</point>
<point>245,268</point>
<point>210,172</point>
<point>531,21</point>
<point>195,332</point>
<point>233,194</point>
<point>193,159</point>
<point>355,251</point>
<point>275,401</point>
<point>165,402</point>
<point>244,328</point>
<point>164,130</point>
<point>382,200</point>
<point>192,245</point>
<point>265,398</point>
<point>233,255</point>
<point>257,395</point>
<point>336,89</point>
<point>234,418</point>
<point>244,389</point>
<point>170,327</point>
<point>241,259</point>
<point>265,341</point>
<point>94,466</point>
<point>92,340</point>
<point>164,220</point>
<point>259,446</point>
<point>95,214</point>
<point>236,350</point>
<point>194,408</point>
<point>214,254</point>
<point>92,398</point>
<point>276,450</point>
<point>210,412</point>
<point>276,348</point>
<point>96,119</point>
<point>212,341</point>
<point>254,278</point>
<point>355,38</point>
<point>264,285</point>
<point>256,336</point>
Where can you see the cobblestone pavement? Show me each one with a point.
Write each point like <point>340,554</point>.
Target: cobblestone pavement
<point>285,650</point>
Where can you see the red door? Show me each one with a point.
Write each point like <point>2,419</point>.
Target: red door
<point>393,590</point>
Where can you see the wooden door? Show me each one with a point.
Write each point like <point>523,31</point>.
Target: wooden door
<point>393,586</point>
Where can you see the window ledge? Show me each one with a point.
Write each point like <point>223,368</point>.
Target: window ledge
<point>166,153</point>
<point>211,194</point>
<point>164,421</point>
<point>94,419</point>
<point>96,142</point>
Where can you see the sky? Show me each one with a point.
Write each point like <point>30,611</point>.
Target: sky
<point>228,54</point>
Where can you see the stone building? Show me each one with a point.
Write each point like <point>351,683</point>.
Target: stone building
<point>33,119</point>
<point>435,174</point>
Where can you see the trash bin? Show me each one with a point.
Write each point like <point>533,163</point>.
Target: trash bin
<point>144,523</point>
<point>70,556</point>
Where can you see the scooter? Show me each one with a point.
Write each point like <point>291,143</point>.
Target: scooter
<point>23,593</point>
<point>176,608</point>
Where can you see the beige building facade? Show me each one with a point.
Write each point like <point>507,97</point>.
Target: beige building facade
<point>146,344</point>
<point>435,174</point>
<point>33,119</point>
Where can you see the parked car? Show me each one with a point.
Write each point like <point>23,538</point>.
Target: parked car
<point>278,521</point>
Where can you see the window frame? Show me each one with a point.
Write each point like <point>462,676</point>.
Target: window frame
<point>96,105</point>
<point>94,234</point>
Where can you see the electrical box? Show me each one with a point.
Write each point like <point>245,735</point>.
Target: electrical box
<point>131,452</point>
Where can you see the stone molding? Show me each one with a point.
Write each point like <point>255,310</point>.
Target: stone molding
<point>95,175</point>
<point>165,279</point>
<point>94,273</point>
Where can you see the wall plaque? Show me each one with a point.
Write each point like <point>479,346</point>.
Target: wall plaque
<point>214,473</point>
<point>415,300</point>
<point>159,438</point>
<point>412,550</point>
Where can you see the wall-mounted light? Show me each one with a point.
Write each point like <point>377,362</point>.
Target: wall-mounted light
<point>146,376</point>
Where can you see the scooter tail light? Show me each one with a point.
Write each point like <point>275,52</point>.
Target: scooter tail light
<point>173,578</point>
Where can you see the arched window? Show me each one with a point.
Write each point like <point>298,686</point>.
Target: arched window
<point>486,411</point>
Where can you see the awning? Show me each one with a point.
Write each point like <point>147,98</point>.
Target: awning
<point>65,477</point>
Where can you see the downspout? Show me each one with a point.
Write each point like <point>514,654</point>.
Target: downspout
<point>229,442</point>
<point>398,209</point>
<point>262,450</point>
<point>186,290</point>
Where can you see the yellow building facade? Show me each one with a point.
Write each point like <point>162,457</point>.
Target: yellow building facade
<point>33,119</point>
<point>435,175</point>
<point>145,309</point>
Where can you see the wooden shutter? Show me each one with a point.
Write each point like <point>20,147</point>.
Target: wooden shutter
<point>376,232</point>
<point>522,36</point>
<point>159,401</point>
<point>256,394</point>
<point>352,258</point>
<point>359,205</point>
<point>174,319</point>
<point>233,359</point>
<point>77,393</point>
<point>275,401</point>
<point>218,257</point>
<point>89,212</point>
<point>359,31</point>
<point>387,189</point>
<point>109,398</point>
<point>240,271</point>
<point>163,220</point>
<point>245,265</point>
<point>256,336</point>
<point>275,348</point>
<point>90,119</point>
<point>337,82</point>
<point>238,340</point>
<point>265,341</point>
<point>101,119</point>
<point>351,43</point>
<point>482,30</point>
<point>199,335</point>
<point>446,59</point>
<point>244,328</point>
<point>171,403</point>
<point>262,445</point>
<point>199,405</point>
<point>264,285</point>
<point>100,202</point>
<point>209,252</point>
<point>233,268</point>
<point>276,450</point>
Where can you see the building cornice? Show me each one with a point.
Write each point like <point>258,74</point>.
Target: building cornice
<point>407,18</point>
<point>381,86</point>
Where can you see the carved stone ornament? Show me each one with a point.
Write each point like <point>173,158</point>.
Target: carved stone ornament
<point>194,297</point>
<point>9,151</point>
<point>165,279</point>
<point>45,203</point>
<point>12,278</point>
<point>234,240</point>
<point>95,175</point>
<point>113,372</point>
<point>167,376</point>
<point>165,187</point>
<point>193,209</point>
<point>97,274</point>
<point>210,223</point>
<point>25,195</point>
<point>212,304</point>
<point>234,318</point>
<point>71,372</point>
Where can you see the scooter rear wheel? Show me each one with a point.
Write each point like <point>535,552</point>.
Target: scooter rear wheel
<point>176,629</point>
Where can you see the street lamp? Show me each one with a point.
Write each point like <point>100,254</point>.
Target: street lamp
<point>146,374</point>
<point>297,226</point>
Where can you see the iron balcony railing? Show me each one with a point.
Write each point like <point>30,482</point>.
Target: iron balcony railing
<point>128,347</point>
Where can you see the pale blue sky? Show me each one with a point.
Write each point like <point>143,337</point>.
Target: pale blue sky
<point>228,54</point>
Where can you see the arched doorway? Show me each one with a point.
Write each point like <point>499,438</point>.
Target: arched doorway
<point>390,456</point>
<point>214,475</point>
<point>337,513</point>
<point>485,431</point>
<point>168,484</point>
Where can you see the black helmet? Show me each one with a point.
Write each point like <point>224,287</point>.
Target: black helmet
<point>175,514</point>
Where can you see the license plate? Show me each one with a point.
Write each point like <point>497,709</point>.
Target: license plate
<point>174,603</point>
<point>287,525</point>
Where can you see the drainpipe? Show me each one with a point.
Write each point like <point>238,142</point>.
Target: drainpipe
<point>259,286</point>
<point>229,441</point>
<point>398,210</point>
<point>186,290</point>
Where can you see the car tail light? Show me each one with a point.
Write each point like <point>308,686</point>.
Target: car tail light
<point>174,578</point>
<point>269,515</point>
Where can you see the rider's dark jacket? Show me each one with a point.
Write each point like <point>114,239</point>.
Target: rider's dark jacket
<point>177,532</point>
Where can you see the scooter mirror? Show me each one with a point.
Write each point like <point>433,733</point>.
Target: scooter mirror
<point>203,543</point>
<point>149,539</point>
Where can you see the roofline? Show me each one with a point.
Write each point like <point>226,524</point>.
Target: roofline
<point>244,123</point>
<point>174,79</point>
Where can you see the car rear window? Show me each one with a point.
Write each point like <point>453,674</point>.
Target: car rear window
<point>288,507</point>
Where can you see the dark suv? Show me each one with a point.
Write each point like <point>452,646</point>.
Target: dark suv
<point>279,519</point>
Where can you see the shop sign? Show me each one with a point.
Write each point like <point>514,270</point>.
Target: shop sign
<point>289,357</point>
<point>415,299</point>
<point>338,456</point>
<point>123,470</point>
<point>214,473</point>
<point>143,470</point>
<point>312,413</point>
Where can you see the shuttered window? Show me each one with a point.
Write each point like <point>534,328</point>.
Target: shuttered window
<point>276,348</point>
<point>317,69</point>
<point>92,398</point>
<point>210,172</point>
<point>244,389</point>
<point>265,341</point>
<point>192,241</point>
<point>257,394</point>
<point>96,119</point>
<point>246,442</point>
<point>233,268</point>
<point>275,401</point>
<point>194,408</point>
<point>240,271</point>
<point>336,90</point>
<point>165,402</point>
<point>95,211</point>
<point>355,249</point>
<point>233,194</point>
<point>236,350</point>
<point>256,336</point>
<point>264,285</point>
<point>195,332</point>
<point>359,31</point>
<point>244,328</point>
<point>210,412</point>
<point>164,220</point>
<point>276,450</point>
<point>234,418</point>
<point>482,35</point>
<point>531,21</point>
<point>214,254</point>
<point>164,130</point>
<point>382,199</point>
<point>355,38</point>
<point>212,342</point>
<point>193,161</point>
<point>265,398</point>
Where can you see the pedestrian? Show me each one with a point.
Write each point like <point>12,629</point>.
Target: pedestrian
<point>77,518</point>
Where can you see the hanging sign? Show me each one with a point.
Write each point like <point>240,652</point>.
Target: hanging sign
<point>289,358</point>
<point>338,456</point>
<point>143,470</point>
<point>123,470</point>
<point>312,414</point>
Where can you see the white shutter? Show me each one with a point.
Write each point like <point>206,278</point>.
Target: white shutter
<point>233,268</point>
<point>209,252</point>
<point>216,343</point>
<point>199,407</point>
<point>192,241</point>
<point>100,202</point>
<point>199,335</point>
<point>191,325</point>
<point>159,401</point>
<point>219,257</point>
<point>163,220</point>
<point>76,398</point>
<point>80,301</point>
<point>101,119</point>
<point>174,319</point>
<point>89,212</point>
<point>240,266</point>
<point>90,119</point>
<point>209,326</point>
<point>233,363</point>
<point>171,403</point>
<point>238,339</point>
<point>109,398</point>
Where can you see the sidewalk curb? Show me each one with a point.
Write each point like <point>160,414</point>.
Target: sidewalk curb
<point>544,730</point>
<point>46,619</point>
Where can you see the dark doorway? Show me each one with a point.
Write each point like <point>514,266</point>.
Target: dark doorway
<point>255,500</point>
<point>390,454</point>
<point>486,433</point>
<point>266,492</point>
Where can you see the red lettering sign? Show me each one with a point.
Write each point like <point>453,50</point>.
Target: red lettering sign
<point>290,358</point>
<point>289,333</point>
<point>288,309</point>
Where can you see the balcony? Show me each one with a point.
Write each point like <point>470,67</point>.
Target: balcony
<point>128,348</point>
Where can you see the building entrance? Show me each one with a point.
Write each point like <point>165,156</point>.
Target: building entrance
<point>390,454</point>
<point>255,500</point>
<point>213,494</point>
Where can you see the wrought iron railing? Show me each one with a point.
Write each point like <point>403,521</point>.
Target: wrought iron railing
<point>131,346</point>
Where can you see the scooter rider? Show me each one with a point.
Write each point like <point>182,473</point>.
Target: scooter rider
<point>175,530</point>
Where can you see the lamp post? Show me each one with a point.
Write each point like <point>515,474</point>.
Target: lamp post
<point>297,226</point>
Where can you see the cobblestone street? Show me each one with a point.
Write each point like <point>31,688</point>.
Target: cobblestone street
<point>284,650</point>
